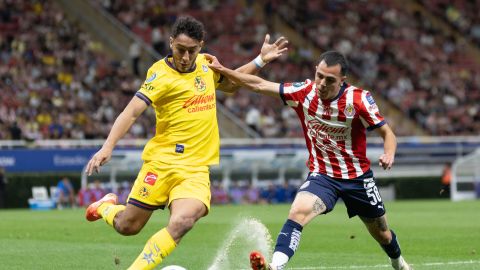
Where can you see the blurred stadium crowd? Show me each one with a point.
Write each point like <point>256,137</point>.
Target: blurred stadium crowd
<point>57,82</point>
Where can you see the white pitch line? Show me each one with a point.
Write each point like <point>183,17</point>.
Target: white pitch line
<point>380,265</point>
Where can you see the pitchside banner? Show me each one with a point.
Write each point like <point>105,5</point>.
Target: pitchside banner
<point>45,160</point>
<point>73,160</point>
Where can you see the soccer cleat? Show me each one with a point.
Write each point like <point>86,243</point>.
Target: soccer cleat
<point>257,262</point>
<point>91,213</point>
<point>400,264</point>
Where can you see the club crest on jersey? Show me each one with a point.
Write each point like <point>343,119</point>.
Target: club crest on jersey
<point>143,192</point>
<point>205,68</point>
<point>151,78</point>
<point>200,84</point>
<point>349,110</point>
<point>150,178</point>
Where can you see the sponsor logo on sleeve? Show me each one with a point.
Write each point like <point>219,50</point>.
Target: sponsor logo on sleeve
<point>370,99</point>
<point>298,84</point>
<point>147,86</point>
<point>150,178</point>
<point>151,78</point>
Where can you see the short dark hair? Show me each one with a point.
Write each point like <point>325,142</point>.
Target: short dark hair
<point>189,26</point>
<point>332,58</point>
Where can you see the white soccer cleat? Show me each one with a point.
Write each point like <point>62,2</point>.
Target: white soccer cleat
<point>400,264</point>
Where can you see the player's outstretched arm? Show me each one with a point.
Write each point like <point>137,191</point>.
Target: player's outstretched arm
<point>268,53</point>
<point>122,124</point>
<point>253,82</point>
<point>389,146</point>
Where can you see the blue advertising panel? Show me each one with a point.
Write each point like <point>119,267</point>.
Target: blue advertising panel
<point>45,160</point>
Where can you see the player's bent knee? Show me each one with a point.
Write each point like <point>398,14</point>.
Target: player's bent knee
<point>299,213</point>
<point>127,231</point>
<point>181,224</point>
<point>128,228</point>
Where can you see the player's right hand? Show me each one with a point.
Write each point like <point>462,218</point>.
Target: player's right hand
<point>99,159</point>
<point>386,161</point>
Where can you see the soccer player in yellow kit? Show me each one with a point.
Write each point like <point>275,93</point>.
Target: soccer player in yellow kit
<point>175,173</point>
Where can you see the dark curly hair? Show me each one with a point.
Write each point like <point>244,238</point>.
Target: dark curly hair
<point>189,26</point>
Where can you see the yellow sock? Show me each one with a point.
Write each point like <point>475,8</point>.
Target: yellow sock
<point>157,248</point>
<point>108,211</point>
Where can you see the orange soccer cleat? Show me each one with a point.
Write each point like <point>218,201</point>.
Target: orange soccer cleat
<point>91,213</point>
<point>257,261</point>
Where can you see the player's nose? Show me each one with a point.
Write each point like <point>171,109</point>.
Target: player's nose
<point>323,82</point>
<point>186,56</point>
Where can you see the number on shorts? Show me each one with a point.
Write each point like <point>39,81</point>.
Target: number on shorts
<point>372,191</point>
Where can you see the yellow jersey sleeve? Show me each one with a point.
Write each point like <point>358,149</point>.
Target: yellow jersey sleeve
<point>152,88</point>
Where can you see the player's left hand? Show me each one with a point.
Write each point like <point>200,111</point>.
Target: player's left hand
<point>270,52</point>
<point>99,159</point>
<point>213,62</point>
<point>386,161</point>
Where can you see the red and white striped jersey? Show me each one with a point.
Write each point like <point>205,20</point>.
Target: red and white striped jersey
<point>334,130</point>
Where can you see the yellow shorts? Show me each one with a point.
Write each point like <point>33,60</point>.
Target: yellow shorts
<point>158,184</point>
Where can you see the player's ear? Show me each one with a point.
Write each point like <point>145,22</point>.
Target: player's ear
<point>201,44</point>
<point>171,42</point>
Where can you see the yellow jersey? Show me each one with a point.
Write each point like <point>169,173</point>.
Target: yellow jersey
<point>186,115</point>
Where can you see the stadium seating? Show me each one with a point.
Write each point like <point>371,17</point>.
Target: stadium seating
<point>40,199</point>
<point>426,72</point>
<point>67,86</point>
<point>57,82</point>
<point>379,58</point>
<point>463,15</point>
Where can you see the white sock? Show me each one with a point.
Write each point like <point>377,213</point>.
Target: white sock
<point>279,260</point>
<point>398,262</point>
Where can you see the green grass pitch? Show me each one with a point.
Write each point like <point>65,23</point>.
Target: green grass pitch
<point>433,235</point>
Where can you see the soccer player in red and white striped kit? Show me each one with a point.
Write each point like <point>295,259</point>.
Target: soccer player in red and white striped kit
<point>335,116</point>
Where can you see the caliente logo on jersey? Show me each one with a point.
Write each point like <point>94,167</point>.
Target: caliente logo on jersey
<point>150,178</point>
